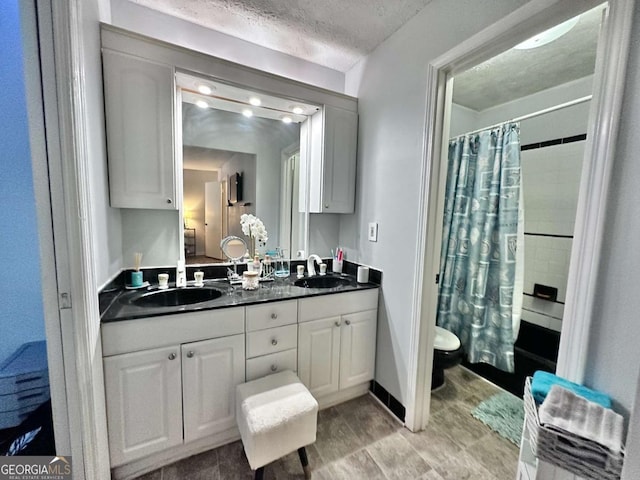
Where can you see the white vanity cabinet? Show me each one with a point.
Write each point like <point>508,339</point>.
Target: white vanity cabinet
<point>171,380</point>
<point>272,338</point>
<point>144,394</point>
<point>211,369</point>
<point>139,101</point>
<point>336,344</point>
<point>329,156</point>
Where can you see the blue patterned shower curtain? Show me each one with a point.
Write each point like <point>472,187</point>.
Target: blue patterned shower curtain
<point>480,290</point>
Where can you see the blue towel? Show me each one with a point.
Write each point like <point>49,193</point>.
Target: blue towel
<point>543,381</point>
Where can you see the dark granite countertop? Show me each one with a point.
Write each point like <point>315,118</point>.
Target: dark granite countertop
<point>115,302</point>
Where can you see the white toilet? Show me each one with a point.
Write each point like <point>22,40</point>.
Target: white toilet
<point>447,353</point>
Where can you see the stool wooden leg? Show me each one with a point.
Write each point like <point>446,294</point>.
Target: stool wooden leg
<point>302,453</point>
<point>259,474</point>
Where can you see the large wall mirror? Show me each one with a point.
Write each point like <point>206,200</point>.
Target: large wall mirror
<point>240,154</point>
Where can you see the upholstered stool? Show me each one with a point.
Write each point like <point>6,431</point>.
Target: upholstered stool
<point>276,415</point>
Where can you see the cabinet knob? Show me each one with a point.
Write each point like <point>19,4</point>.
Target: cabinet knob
<point>274,316</point>
<point>190,354</point>
<point>172,356</point>
<point>169,200</point>
<point>337,323</point>
<point>274,368</point>
<point>326,206</point>
<point>348,322</point>
<point>274,342</point>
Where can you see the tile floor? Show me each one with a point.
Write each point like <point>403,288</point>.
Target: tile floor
<point>360,440</point>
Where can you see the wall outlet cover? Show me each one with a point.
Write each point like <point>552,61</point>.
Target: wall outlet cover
<point>373,231</point>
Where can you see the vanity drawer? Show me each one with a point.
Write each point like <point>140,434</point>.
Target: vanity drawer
<point>273,314</point>
<point>272,340</point>
<point>276,362</point>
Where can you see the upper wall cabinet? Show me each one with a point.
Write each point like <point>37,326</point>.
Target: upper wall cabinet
<point>330,152</point>
<point>139,99</point>
<point>142,123</point>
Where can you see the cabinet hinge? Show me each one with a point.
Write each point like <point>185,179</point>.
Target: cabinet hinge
<point>437,278</point>
<point>64,301</point>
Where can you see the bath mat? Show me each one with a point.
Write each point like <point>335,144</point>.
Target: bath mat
<point>504,414</point>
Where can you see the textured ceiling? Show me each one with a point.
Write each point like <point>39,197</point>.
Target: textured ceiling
<point>332,33</point>
<point>517,73</point>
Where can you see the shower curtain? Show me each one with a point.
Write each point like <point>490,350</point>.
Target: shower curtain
<point>481,261</point>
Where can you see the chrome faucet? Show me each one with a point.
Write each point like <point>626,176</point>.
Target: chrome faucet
<point>311,268</point>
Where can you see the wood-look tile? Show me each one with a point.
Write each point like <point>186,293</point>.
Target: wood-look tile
<point>203,466</point>
<point>432,444</point>
<point>358,465</point>
<point>430,475</point>
<point>461,375</point>
<point>359,439</point>
<point>446,394</point>
<point>368,419</point>
<point>155,475</point>
<point>335,438</point>
<point>464,467</point>
<point>397,458</point>
<point>456,422</point>
<point>497,455</point>
<point>233,463</point>
<point>289,466</point>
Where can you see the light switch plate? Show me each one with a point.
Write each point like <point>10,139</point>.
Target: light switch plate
<point>373,231</point>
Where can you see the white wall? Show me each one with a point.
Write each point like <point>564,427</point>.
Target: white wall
<point>559,124</point>
<point>154,24</point>
<point>154,233</point>
<point>391,87</point>
<point>193,198</point>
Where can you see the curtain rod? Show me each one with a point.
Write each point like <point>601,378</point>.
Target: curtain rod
<point>534,114</point>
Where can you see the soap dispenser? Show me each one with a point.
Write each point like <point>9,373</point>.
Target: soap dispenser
<point>181,274</point>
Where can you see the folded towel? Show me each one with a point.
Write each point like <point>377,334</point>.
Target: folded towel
<point>572,413</point>
<point>543,381</point>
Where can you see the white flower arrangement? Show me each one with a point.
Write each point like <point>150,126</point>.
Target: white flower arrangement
<point>253,227</point>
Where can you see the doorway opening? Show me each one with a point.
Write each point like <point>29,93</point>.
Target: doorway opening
<point>604,115</point>
<point>545,85</point>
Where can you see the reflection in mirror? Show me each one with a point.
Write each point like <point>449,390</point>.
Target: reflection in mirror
<point>236,163</point>
<point>235,249</point>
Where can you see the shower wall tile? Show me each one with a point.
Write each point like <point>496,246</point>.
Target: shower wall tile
<point>547,263</point>
<point>550,182</point>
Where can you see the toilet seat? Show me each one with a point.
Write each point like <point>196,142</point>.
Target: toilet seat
<point>445,340</point>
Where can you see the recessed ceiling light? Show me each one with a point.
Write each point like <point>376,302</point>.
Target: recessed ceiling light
<point>548,36</point>
<point>255,101</point>
<point>202,104</point>
<point>297,110</point>
<point>204,89</point>
<point>287,119</point>
<point>247,113</point>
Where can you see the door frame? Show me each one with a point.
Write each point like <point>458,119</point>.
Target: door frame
<point>64,106</point>
<point>602,131</point>
<point>35,25</point>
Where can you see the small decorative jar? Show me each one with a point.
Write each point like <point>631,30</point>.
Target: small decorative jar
<point>250,280</point>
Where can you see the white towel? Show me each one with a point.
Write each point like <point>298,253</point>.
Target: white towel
<point>574,414</point>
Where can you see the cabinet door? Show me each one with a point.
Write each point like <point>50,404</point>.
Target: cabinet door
<point>358,348</point>
<point>144,403</point>
<point>139,99</point>
<point>319,355</point>
<point>339,160</point>
<point>211,369</point>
